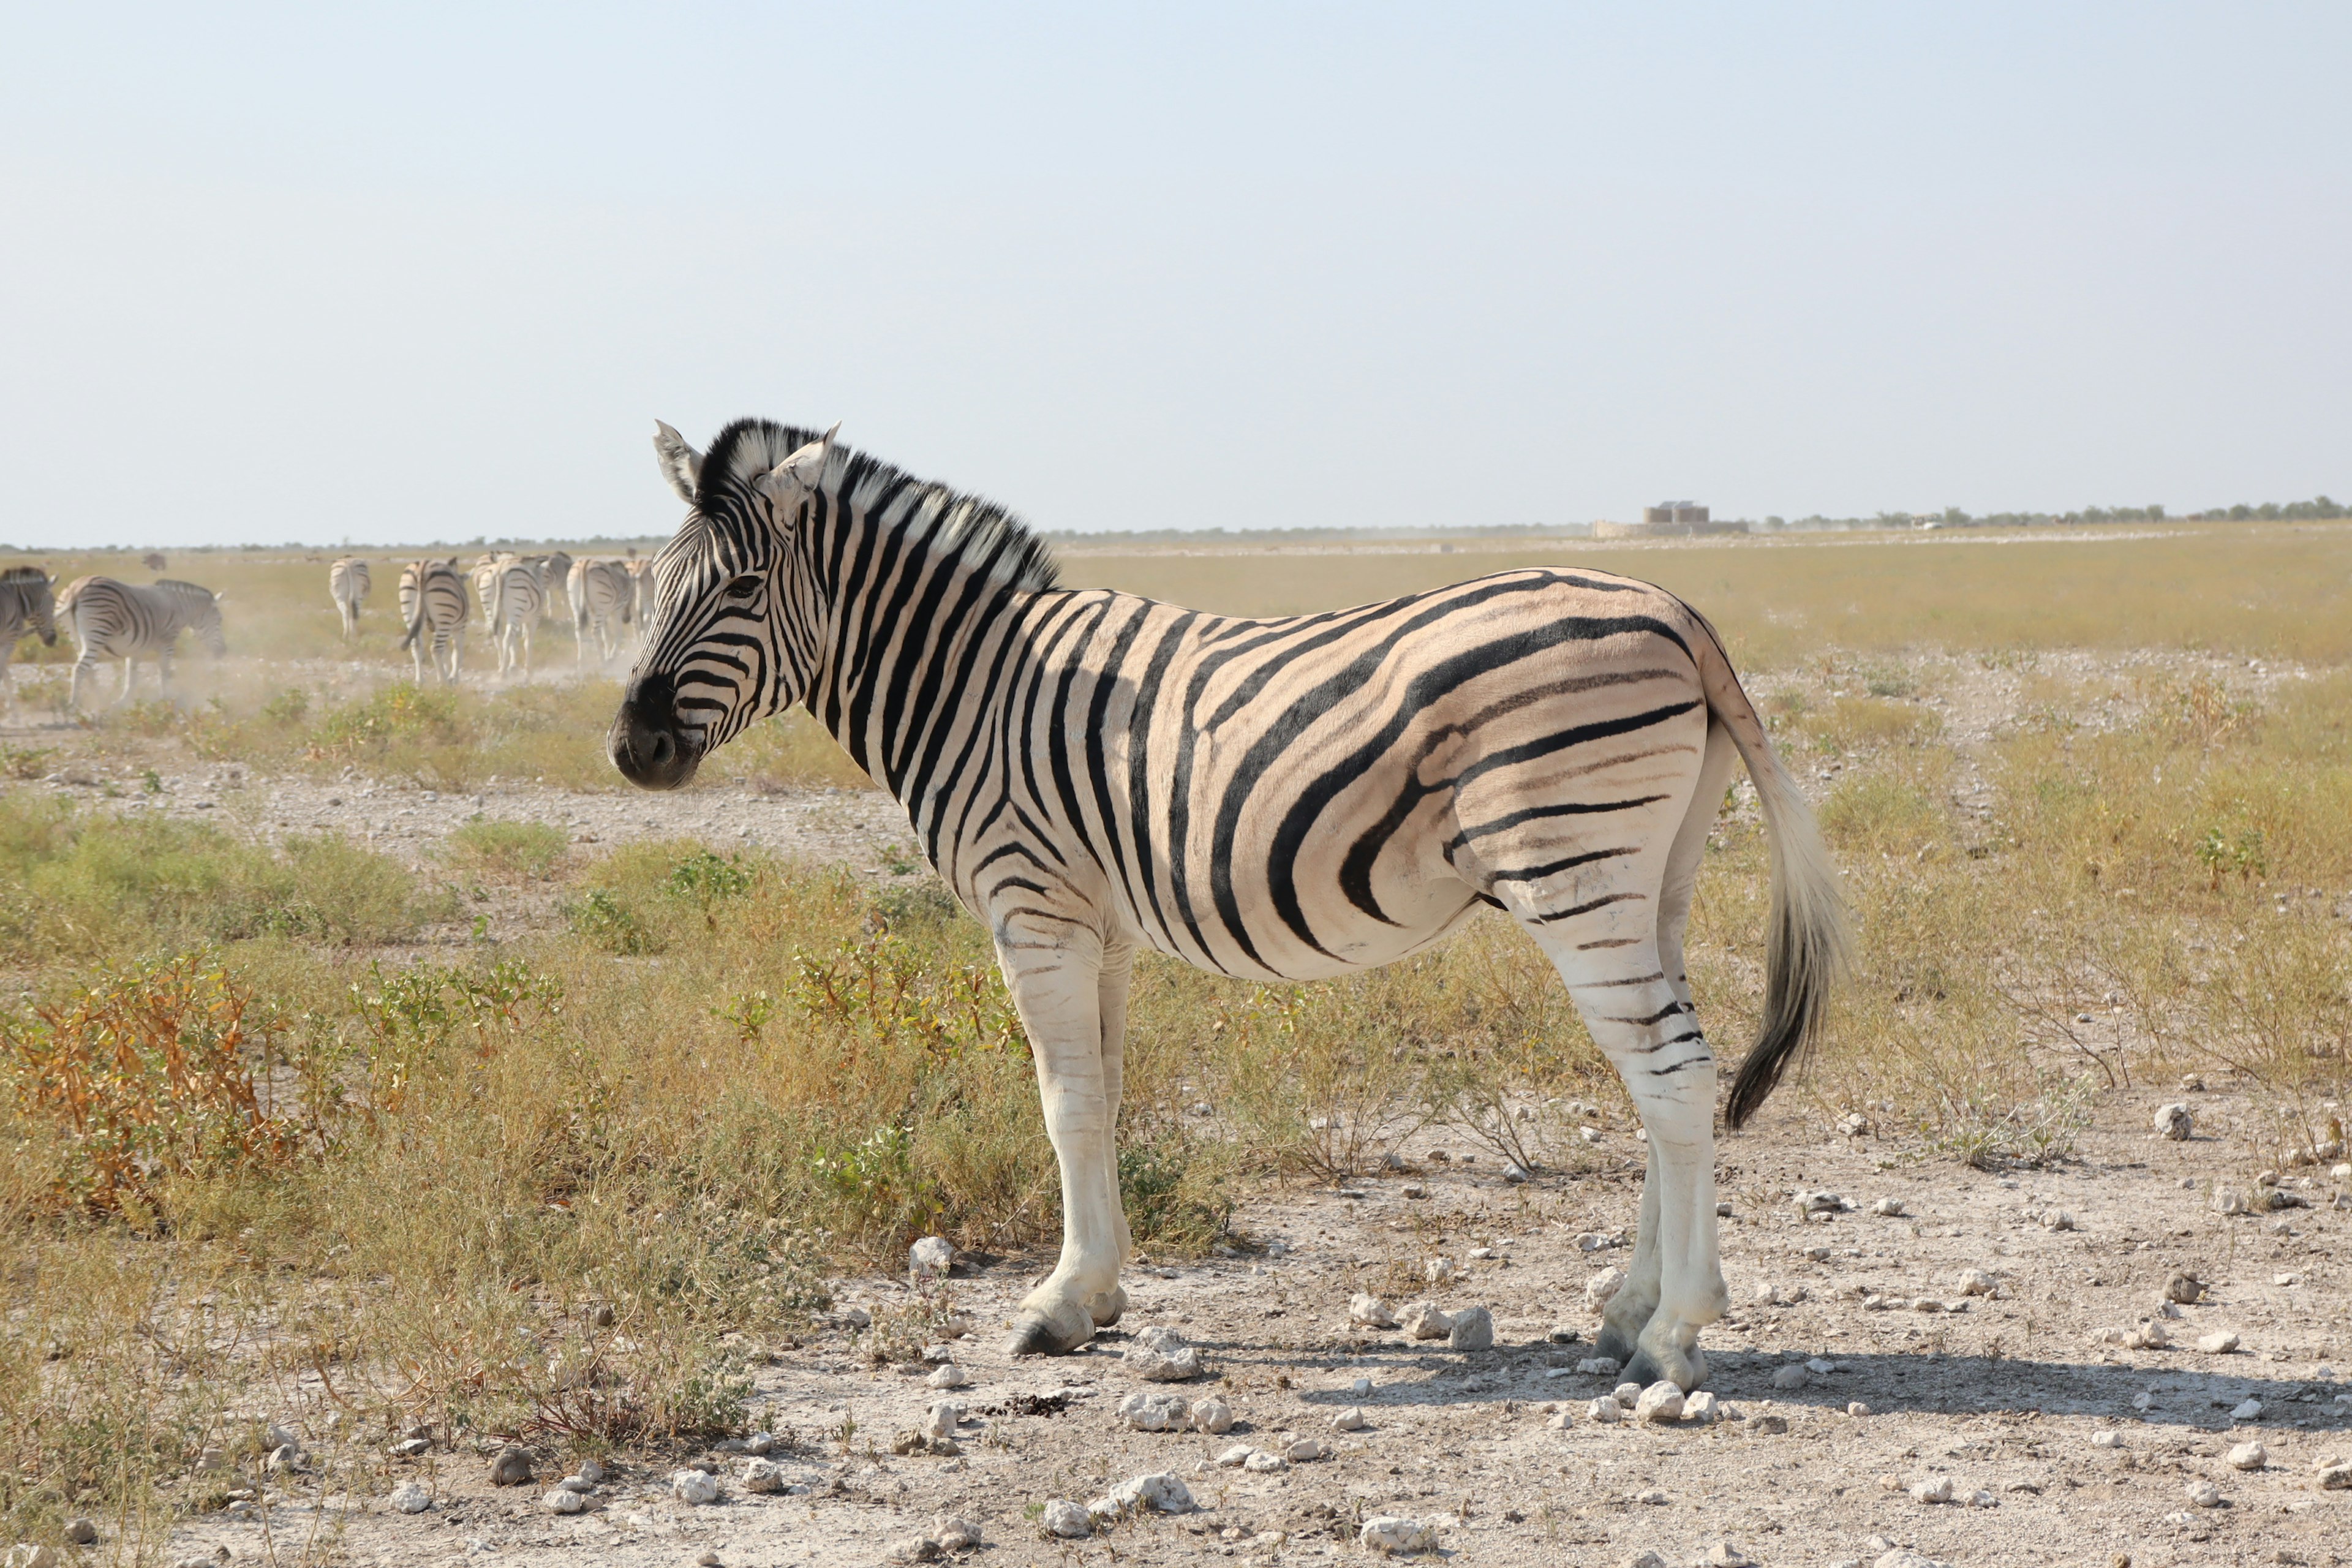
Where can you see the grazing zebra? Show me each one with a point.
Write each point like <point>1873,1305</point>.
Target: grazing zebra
<point>347,585</point>
<point>514,597</point>
<point>1275,799</point>
<point>433,608</point>
<point>112,619</point>
<point>28,602</point>
<point>603,596</point>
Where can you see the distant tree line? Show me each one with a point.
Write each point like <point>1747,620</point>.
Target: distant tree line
<point>2317,509</point>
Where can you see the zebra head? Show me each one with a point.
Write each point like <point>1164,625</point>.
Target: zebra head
<point>731,631</point>
<point>36,593</point>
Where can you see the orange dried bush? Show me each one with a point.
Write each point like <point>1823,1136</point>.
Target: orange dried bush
<point>150,1075</point>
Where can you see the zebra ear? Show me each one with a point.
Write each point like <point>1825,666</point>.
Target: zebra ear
<point>681,465</point>
<point>798,474</point>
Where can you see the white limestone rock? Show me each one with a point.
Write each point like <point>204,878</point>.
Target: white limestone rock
<point>1394,1536</point>
<point>1660,1405</point>
<point>2204,1494</point>
<point>1067,1519</point>
<point>947,1376</point>
<point>1936,1488</point>
<point>564,1499</point>
<point>931,1257</point>
<point>1599,1366</point>
<point>1152,1410</point>
<point>1473,1329</point>
<point>1160,1355</point>
<point>763,1475</point>
<point>1212,1415</point>
<point>2220,1343</point>
<point>1603,1285</point>
<point>2247,1456</point>
<point>2174,1121</point>
<point>694,1487</point>
<point>1423,1322</point>
<point>1369,1312</point>
<point>410,1496</point>
<point>1159,1492</point>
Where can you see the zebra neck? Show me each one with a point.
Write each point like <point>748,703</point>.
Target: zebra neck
<point>913,663</point>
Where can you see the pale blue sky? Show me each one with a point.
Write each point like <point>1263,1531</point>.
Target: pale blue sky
<point>428,272</point>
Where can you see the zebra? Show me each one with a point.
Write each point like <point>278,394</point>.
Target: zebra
<point>514,597</point>
<point>347,585</point>
<point>433,608</point>
<point>554,579</point>
<point>113,619</point>
<point>28,602</point>
<point>1092,773</point>
<point>641,579</point>
<point>603,596</point>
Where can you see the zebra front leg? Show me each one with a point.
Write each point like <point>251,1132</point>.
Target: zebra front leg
<point>1116,978</point>
<point>1055,973</point>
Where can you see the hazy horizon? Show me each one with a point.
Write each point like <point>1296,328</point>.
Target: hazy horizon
<point>284,275</point>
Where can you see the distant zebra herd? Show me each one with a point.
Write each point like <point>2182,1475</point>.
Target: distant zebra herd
<point>517,594</point>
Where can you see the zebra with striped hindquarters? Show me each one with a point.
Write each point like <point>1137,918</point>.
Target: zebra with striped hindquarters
<point>641,584</point>
<point>603,596</point>
<point>433,608</point>
<point>513,596</point>
<point>111,619</point>
<point>27,603</point>
<point>347,585</point>
<point>1275,799</point>
<point>554,581</point>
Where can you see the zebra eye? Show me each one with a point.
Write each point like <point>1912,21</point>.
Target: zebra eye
<point>743,587</point>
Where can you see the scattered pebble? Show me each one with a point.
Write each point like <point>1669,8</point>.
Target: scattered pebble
<point>564,1499</point>
<point>2174,1121</point>
<point>510,1466</point>
<point>941,1418</point>
<point>1351,1419</point>
<point>1158,1492</point>
<point>1160,1355</point>
<point>1791,1376</point>
<point>1473,1329</point>
<point>1700,1406</point>
<point>2247,1410</point>
<point>1857,1409</point>
<point>1892,1208</point>
<point>1437,1270</point>
<point>1938,1488</point>
<point>2106,1439</point>
<point>2204,1494</point>
<point>1599,1366</point>
<point>2248,1457</point>
<point>931,1257</point>
<point>409,1497</point>
<point>1067,1519</point>
<point>2184,1289</point>
<point>1423,1322</point>
<point>1212,1415</point>
<point>1263,1463</point>
<point>2220,1344</point>
<point>1604,1284</point>
<point>763,1475</point>
<point>1370,1311</point>
<point>1605,1411</point>
<point>1303,1450</point>
<point>947,1376</point>
<point>1975,1282</point>
<point>1660,1405</point>
<point>694,1487</point>
<point>1394,1536</point>
<point>81,1533</point>
<point>1626,1394</point>
<point>1151,1410</point>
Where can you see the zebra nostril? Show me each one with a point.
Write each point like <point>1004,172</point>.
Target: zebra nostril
<point>662,750</point>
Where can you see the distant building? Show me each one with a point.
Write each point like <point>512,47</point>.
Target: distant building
<point>1667,519</point>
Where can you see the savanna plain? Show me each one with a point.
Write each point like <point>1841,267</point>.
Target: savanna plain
<point>392,1104</point>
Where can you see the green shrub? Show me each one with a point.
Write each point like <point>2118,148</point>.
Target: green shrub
<point>530,849</point>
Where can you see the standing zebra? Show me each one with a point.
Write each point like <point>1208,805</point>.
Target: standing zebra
<point>554,579</point>
<point>433,608</point>
<point>513,597</point>
<point>602,597</point>
<point>112,619</point>
<point>347,585</point>
<point>641,582</point>
<point>1278,799</point>
<point>28,602</point>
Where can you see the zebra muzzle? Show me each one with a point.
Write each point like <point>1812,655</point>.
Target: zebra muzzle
<point>647,744</point>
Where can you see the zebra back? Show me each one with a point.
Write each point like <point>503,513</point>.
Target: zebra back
<point>432,599</point>
<point>113,619</point>
<point>347,581</point>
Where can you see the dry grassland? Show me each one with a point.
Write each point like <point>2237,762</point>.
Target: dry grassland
<point>283,1142</point>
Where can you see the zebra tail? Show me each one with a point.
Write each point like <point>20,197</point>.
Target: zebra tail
<point>415,627</point>
<point>1807,942</point>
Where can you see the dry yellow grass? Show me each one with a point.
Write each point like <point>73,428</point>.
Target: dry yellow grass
<point>709,1079</point>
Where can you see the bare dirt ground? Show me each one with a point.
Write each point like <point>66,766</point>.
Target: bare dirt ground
<point>2001,1394</point>
<point>2004,1396</point>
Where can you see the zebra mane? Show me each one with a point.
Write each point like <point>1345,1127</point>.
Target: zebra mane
<point>23,574</point>
<point>971,528</point>
<point>186,590</point>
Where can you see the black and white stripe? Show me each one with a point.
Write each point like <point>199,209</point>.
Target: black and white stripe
<point>514,601</point>
<point>28,602</point>
<point>347,585</point>
<point>603,601</point>
<point>1275,799</point>
<point>111,619</point>
<point>433,608</point>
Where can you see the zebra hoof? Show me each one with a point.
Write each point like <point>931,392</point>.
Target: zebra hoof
<point>1107,1308</point>
<point>1618,1345</point>
<point>1035,1333</point>
<point>1687,1372</point>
